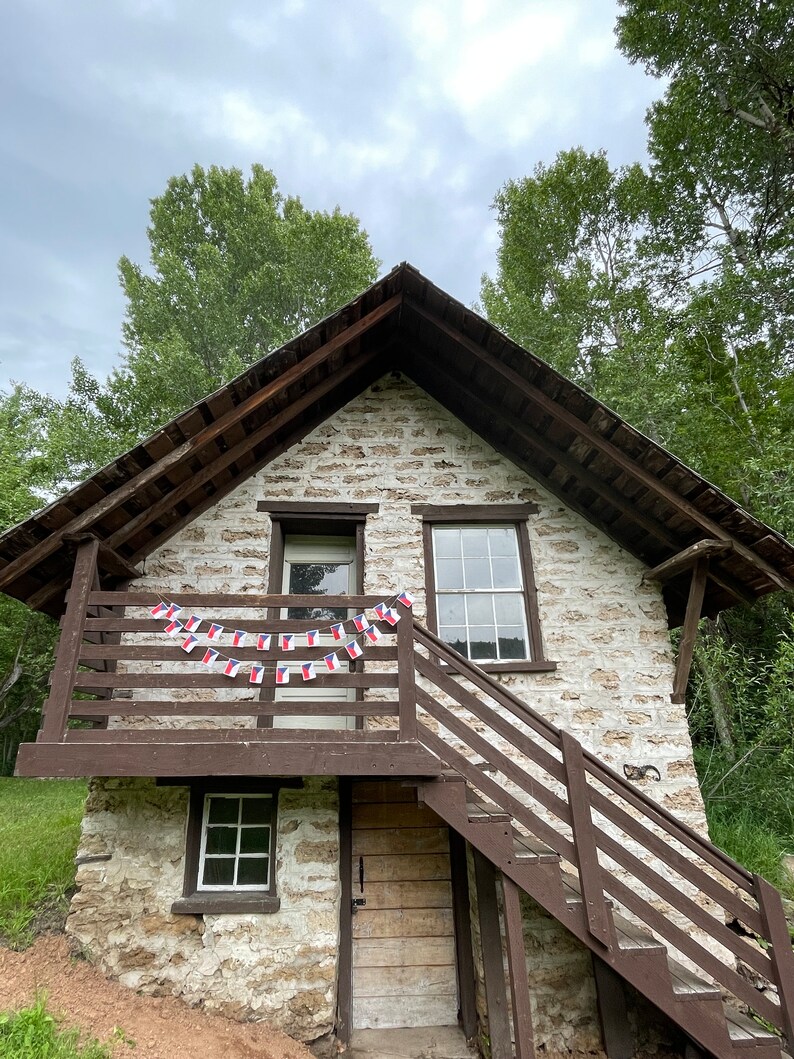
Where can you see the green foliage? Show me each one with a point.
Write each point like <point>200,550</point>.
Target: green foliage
<point>32,1033</point>
<point>236,270</point>
<point>41,827</point>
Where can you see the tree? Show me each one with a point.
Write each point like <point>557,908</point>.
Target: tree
<point>236,270</point>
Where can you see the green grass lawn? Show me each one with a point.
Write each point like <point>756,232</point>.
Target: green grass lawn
<point>39,829</point>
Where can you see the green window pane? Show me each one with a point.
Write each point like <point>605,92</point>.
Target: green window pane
<point>451,610</point>
<point>477,573</point>
<point>446,542</point>
<point>512,643</point>
<point>483,642</point>
<point>221,840</point>
<point>255,840</point>
<point>449,573</point>
<point>218,871</point>
<point>502,540</point>
<point>253,871</point>
<point>223,810</point>
<point>256,810</point>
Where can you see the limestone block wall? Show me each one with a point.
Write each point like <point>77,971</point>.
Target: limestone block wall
<point>606,629</point>
<point>280,967</point>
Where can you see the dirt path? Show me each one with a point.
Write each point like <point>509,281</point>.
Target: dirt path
<point>161,1027</point>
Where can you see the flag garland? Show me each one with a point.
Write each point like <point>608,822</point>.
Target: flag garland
<point>364,629</point>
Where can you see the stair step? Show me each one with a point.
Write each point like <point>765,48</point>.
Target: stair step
<point>746,1032</point>
<point>529,848</point>
<point>481,809</point>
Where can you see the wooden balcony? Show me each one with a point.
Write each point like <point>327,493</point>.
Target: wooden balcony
<point>126,700</point>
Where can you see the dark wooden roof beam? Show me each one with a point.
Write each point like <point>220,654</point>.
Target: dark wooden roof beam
<point>560,412</point>
<point>683,560</point>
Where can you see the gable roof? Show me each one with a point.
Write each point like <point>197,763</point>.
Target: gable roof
<point>635,491</point>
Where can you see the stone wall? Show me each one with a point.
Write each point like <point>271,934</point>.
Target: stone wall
<point>280,967</point>
<point>393,446</point>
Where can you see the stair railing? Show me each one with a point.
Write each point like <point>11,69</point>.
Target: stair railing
<point>624,847</point>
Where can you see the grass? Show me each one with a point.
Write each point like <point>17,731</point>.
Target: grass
<point>39,830</point>
<point>34,1034</point>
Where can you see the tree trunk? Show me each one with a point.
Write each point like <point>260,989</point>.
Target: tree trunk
<point>718,695</point>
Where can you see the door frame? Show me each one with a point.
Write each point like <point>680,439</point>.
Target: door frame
<point>461,908</point>
<point>311,519</point>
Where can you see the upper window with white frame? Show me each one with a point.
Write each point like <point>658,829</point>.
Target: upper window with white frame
<point>236,843</point>
<point>481,596</point>
<point>480,591</point>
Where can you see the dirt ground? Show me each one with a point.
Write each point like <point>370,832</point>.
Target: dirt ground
<point>161,1027</point>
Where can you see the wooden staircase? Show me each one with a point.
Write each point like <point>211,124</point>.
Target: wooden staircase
<point>649,896</point>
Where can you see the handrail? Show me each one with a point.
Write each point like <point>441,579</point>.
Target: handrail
<point>570,770</point>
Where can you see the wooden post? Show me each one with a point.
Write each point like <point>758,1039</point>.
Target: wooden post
<point>517,964</point>
<point>344,996</point>
<point>776,930</point>
<point>64,673</point>
<point>492,962</point>
<point>694,608</point>
<point>598,920</point>
<point>461,911</point>
<point>616,1030</point>
<point>406,677</point>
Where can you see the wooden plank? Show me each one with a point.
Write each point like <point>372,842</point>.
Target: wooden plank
<point>474,512</point>
<point>246,624</point>
<point>168,651</point>
<point>598,917</point>
<point>412,980</point>
<point>371,1013</point>
<point>436,894</point>
<point>315,508</point>
<point>89,682</point>
<point>405,952</point>
<point>64,674</point>
<point>406,683</point>
<point>682,560</point>
<point>464,955</point>
<point>616,1031</point>
<point>233,600</point>
<point>302,758</point>
<point>219,736</point>
<point>403,867</point>
<point>400,840</point>
<point>694,609</point>
<point>394,815</point>
<point>523,1033</point>
<point>220,708</point>
<point>344,997</point>
<point>138,482</point>
<point>777,932</point>
<point>383,791</point>
<point>403,923</point>
<point>493,967</point>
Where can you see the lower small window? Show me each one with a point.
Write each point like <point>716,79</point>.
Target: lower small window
<point>230,848</point>
<point>236,838</point>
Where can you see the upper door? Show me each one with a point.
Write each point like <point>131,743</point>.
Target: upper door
<point>316,566</point>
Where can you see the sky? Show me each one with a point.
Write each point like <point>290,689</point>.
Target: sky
<point>409,114</point>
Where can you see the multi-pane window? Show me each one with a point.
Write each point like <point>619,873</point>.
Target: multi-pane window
<point>480,591</point>
<point>236,838</point>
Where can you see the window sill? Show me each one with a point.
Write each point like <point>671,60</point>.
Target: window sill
<point>220,904</point>
<point>516,666</point>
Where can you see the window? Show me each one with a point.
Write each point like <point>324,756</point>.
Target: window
<point>230,847</point>
<point>480,586</point>
<point>480,592</point>
<point>236,837</point>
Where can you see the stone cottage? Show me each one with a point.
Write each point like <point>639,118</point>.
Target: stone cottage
<point>367,655</point>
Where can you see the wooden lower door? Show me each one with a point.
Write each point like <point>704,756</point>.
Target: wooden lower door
<point>403,931</point>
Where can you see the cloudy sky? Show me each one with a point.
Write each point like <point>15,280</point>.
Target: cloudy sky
<point>409,114</point>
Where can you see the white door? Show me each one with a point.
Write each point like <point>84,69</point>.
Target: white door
<point>322,566</point>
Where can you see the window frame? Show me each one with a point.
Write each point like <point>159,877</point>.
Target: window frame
<point>235,888</point>
<point>220,901</point>
<point>515,515</point>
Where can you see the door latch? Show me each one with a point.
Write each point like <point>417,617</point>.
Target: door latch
<point>358,902</point>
